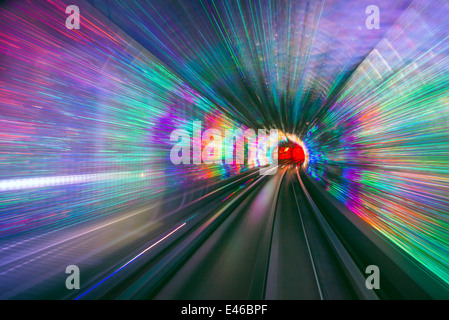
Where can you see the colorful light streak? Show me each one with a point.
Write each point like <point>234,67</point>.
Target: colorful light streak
<point>86,115</point>
<point>382,146</point>
<point>85,119</point>
<point>240,187</point>
<point>130,261</point>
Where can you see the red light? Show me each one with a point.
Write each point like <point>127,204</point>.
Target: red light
<point>292,153</point>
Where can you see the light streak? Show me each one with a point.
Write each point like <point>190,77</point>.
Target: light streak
<point>131,260</point>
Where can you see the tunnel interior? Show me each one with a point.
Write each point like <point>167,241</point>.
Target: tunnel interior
<point>89,118</point>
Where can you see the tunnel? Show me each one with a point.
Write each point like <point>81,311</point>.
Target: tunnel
<point>224,150</point>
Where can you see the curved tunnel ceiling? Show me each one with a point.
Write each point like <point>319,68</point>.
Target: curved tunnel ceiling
<point>267,63</point>
<point>86,115</point>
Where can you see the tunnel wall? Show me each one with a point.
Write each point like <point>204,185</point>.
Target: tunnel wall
<point>381,147</point>
<point>86,123</point>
